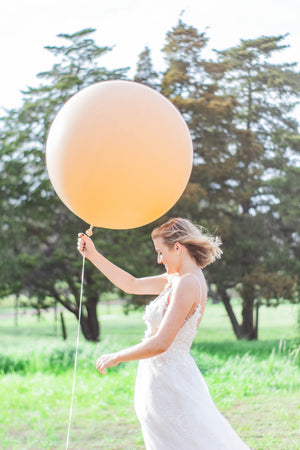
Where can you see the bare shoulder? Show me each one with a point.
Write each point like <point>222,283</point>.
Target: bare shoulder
<point>187,284</point>
<point>189,279</point>
<point>192,286</point>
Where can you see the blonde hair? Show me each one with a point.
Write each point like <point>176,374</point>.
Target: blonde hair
<point>203,247</point>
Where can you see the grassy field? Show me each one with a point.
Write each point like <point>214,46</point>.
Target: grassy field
<point>255,384</point>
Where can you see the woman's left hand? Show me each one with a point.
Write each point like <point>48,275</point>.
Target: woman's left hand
<point>105,361</point>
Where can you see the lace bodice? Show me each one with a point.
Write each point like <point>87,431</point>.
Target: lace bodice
<point>154,313</point>
<point>172,400</point>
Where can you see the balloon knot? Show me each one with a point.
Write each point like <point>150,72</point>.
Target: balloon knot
<point>89,232</point>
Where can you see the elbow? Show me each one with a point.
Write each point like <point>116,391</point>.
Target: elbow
<point>129,287</point>
<point>162,349</point>
<point>165,346</point>
<point>161,346</point>
<point>134,286</point>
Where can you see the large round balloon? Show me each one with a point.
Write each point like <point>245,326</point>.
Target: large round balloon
<point>119,154</point>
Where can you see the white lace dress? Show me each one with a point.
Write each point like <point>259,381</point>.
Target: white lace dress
<point>172,400</point>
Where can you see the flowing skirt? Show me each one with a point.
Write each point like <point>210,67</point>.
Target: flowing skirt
<point>175,409</point>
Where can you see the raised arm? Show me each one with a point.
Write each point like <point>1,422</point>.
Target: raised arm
<point>119,277</point>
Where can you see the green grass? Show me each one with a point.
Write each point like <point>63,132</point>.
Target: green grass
<point>255,384</point>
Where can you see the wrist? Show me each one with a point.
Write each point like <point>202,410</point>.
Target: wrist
<point>92,255</point>
<point>117,358</point>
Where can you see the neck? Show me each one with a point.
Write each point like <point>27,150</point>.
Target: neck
<point>187,265</point>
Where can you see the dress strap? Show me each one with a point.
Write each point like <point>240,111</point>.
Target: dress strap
<point>195,276</point>
<point>197,310</point>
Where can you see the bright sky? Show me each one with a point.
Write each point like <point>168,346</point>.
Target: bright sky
<point>26,26</point>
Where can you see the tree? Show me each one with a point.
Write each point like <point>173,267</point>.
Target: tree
<point>145,73</point>
<point>243,185</point>
<point>42,260</point>
<point>284,214</point>
<point>232,110</point>
<point>191,83</point>
<point>268,139</point>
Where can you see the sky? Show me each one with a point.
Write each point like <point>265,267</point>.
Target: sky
<point>27,26</point>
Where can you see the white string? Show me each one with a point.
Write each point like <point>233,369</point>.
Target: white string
<point>76,354</point>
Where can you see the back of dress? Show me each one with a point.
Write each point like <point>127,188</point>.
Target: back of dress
<point>172,400</point>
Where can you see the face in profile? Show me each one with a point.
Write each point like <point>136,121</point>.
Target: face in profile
<point>166,255</point>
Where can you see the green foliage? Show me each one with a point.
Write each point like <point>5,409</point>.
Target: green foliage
<point>55,358</point>
<point>145,73</point>
<point>244,184</point>
<point>246,144</point>
<point>42,260</point>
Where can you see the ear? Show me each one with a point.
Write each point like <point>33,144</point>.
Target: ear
<point>178,247</point>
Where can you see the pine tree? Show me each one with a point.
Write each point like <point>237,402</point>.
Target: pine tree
<point>267,139</point>
<point>234,108</point>
<point>145,73</point>
<point>42,260</point>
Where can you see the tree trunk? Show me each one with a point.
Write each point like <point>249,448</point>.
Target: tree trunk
<point>256,319</point>
<point>63,327</point>
<point>89,323</point>
<point>247,328</point>
<point>226,300</point>
<point>55,317</point>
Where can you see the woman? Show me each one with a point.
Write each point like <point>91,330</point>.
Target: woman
<point>172,401</point>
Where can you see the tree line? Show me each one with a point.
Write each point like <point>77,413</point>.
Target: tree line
<point>244,184</point>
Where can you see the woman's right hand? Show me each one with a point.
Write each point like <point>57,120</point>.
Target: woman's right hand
<point>85,245</point>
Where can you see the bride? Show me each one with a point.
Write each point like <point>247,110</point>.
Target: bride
<point>172,400</point>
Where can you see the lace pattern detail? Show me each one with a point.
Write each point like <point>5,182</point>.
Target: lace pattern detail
<point>172,400</point>
<point>156,309</point>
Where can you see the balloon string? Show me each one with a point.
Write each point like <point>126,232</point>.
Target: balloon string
<point>76,354</point>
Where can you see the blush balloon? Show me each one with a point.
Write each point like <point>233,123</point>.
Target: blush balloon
<point>119,154</point>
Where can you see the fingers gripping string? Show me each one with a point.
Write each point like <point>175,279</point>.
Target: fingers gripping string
<point>76,354</point>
